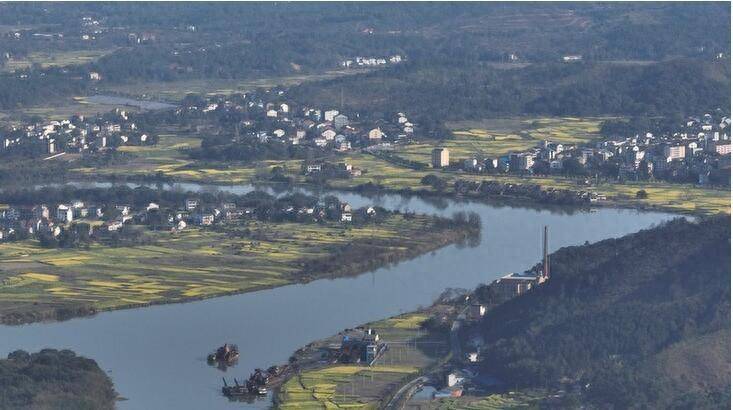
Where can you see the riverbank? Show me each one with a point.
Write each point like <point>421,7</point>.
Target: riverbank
<point>385,178</point>
<point>717,202</point>
<point>56,284</point>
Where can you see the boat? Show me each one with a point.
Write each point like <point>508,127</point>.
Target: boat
<point>238,390</point>
<point>249,388</point>
<point>227,354</point>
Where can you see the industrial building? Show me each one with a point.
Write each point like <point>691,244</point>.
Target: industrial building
<point>514,284</point>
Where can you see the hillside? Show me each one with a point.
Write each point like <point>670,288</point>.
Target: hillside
<point>643,320</point>
<point>451,92</point>
<point>53,379</point>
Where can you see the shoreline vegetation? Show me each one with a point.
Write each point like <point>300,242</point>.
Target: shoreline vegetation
<point>43,284</point>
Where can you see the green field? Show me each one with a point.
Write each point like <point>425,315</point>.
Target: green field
<point>60,110</point>
<point>194,263</point>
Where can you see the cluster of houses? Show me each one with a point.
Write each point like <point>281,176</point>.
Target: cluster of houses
<point>700,148</point>
<point>692,154</point>
<point>18,222</point>
<point>271,116</point>
<point>78,134</point>
<point>371,61</point>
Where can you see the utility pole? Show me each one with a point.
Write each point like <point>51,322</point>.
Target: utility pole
<point>545,257</point>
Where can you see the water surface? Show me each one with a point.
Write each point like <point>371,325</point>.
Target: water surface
<point>156,356</point>
<point>142,104</point>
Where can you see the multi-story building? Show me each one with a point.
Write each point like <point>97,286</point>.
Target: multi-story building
<point>674,152</point>
<point>521,162</point>
<point>440,158</point>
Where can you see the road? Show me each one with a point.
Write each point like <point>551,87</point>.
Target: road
<point>401,392</point>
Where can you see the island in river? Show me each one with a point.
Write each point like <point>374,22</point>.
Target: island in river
<point>53,279</point>
<point>54,379</point>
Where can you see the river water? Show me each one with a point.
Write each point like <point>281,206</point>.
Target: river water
<point>156,355</point>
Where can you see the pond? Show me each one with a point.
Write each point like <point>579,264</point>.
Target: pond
<point>142,104</point>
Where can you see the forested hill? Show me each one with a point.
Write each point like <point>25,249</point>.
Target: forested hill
<point>643,320</point>
<point>457,92</point>
<point>53,379</point>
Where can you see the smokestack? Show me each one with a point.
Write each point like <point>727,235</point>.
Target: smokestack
<point>545,258</point>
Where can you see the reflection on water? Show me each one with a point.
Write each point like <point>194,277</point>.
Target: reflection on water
<point>156,356</point>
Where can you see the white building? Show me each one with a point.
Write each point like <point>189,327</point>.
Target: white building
<point>65,213</point>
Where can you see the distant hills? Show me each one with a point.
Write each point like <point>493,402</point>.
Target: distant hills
<point>640,321</point>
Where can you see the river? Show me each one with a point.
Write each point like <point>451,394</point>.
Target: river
<point>156,355</point>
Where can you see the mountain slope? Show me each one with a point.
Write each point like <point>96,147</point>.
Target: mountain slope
<point>643,320</point>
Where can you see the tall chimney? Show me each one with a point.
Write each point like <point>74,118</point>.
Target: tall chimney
<point>545,258</point>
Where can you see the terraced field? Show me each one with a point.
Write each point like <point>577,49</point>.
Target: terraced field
<point>331,387</point>
<point>37,282</point>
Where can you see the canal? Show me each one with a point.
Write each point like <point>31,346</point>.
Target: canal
<point>156,355</point>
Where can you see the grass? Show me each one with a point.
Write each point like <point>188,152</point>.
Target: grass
<point>194,263</point>
<point>411,322</point>
<point>60,110</point>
